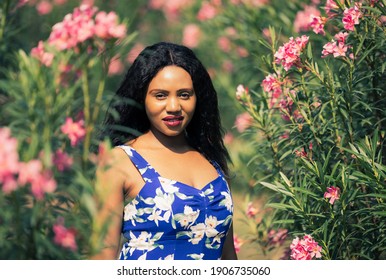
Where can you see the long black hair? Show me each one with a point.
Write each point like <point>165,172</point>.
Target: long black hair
<point>126,118</point>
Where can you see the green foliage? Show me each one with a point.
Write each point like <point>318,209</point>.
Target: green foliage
<point>338,141</point>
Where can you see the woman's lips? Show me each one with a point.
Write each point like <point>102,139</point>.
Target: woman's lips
<point>173,120</point>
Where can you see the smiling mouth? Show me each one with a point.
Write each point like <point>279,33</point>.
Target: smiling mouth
<point>173,121</point>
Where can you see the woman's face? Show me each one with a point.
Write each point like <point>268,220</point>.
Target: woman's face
<point>170,101</point>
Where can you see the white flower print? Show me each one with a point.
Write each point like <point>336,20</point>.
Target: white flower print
<point>143,242</point>
<point>168,185</point>
<point>130,211</point>
<point>196,256</point>
<point>198,233</point>
<point>188,217</point>
<point>163,201</point>
<point>211,224</point>
<point>156,216</point>
<point>227,201</point>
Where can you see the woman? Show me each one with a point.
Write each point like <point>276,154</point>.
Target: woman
<point>169,166</point>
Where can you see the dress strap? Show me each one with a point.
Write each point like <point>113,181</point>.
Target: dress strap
<point>144,168</point>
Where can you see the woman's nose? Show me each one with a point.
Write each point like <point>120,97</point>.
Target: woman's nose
<point>173,104</point>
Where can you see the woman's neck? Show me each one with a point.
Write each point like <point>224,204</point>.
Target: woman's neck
<point>157,140</point>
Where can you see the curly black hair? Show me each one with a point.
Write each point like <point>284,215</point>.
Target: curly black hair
<point>126,118</point>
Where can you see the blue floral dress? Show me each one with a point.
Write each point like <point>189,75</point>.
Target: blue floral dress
<point>172,220</point>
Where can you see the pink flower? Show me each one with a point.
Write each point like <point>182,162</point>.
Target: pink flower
<point>333,193</point>
<point>207,11</point>
<point>237,243</point>
<point>241,92</point>
<point>243,121</point>
<point>224,44</point>
<point>328,48</point>
<point>242,52</point>
<point>277,237</point>
<point>62,160</point>
<point>107,27</point>
<point>116,66</point>
<point>134,52</point>
<point>44,7</point>
<point>44,57</point>
<point>65,237</point>
<point>317,24</point>
<point>191,35</point>
<point>272,85</point>
<point>74,29</point>
<point>351,17</point>
<point>341,37</point>
<point>289,54</point>
<point>29,171</point>
<point>9,160</point>
<point>331,6</point>
<point>228,138</point>
<point>303,18</point>
<point>251,210</point>
<point>74,130</point>
<point>43,183</point>
<point>340,50</point>
<point>305,249</point>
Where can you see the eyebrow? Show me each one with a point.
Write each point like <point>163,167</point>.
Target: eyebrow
<point>178,91</point>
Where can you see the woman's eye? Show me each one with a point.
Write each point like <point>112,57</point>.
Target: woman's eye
<point>185,95</point>
<point>160,96</point>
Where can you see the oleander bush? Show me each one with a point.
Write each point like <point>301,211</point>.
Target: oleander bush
<point>305,131</point>
<point>317,120</point>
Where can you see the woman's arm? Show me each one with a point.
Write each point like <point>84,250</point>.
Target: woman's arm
<point>107,226</point>
<point>228,251</point>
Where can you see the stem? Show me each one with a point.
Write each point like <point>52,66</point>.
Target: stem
<point>3,18</point>
<point>98,100</point>
<point>86,112</point>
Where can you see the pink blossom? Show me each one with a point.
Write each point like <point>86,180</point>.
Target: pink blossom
<point>44,7</point>
<point>228,138</point>
<point>191,35</point>
<point>241,92</point>
<point>328,48</point>
<point>107,27</point>
<point>43,183</point>
<point>241,51</point>
<point>305,249</point>
<point>340,50</point>
<point>331,6</point>
<point>251,210</point>
<point>9,160</point>
<point>341,37</point>
<point>237,243</point>
<point>243,121</point>
<point>224,44</point>
<point>277,237</point>
<point>335,49</point>
<point>227,66</point>
<point>74,29</point>
<point>351,17</point>
<point>317,24</point>
<point>333,193</point>
<point>65,237</point>
<point>116,66</point>
<point>134,52</point>
<point>289,54</point>
<point>303,18</point>
<point>29,171</point>
<point>74,130</point>
<point>61,160</point>
<point>207,11</point>
<point>44,57</point>
<point>272,85</point>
